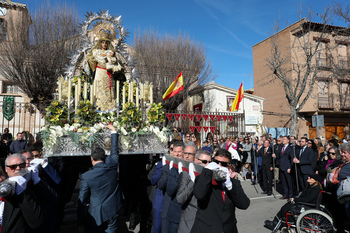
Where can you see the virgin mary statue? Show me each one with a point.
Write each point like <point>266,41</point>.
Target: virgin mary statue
<point>104,61</point>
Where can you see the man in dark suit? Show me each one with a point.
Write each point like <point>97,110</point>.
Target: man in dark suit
<point>266,154</point>
<point>21,212</point>
<point>304,159</point>
<point>184,194</point>
<point>217,200</point>
<point>284,160</point>
<point>100,188</point>
<point>171,211</point>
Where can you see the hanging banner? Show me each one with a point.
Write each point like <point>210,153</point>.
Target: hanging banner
<point>192,128</point>
<point>205,117</point>
<point>212,117</point>
<point>177,116</point>
<point>169,115</point>
<point>224,118</point>
<point>8,107</point>
<point>230,118</point>
<point>198,117</point>
<point>199,128</point>
<point>191,116</point>
<point>212,129</point>
<point>205,128</point>
<point>184,116</point>
<point>218,117</point>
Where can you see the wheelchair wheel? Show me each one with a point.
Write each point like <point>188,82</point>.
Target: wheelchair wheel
<point>314,221</point>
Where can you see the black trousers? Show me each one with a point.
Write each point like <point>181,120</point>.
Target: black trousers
<point>267,178</point>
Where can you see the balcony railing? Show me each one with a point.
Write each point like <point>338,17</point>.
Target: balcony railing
<point>325,101</point>
<point>345,102</point>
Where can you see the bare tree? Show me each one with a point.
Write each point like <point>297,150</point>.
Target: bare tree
<point>37,50</point>
<point>160,59</point>
<point>297,64</point>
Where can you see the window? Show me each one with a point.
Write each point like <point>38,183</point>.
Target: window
<point>323,60</point>
<point>342,56</point>
<point>344,96</point>
<point>3,29</point>
<point>323,94</point>
<point>10,88</point>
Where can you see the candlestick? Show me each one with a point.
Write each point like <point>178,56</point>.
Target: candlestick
<point>60,92</point>
<point>85,91</point>
<point>69,92</point>
<point>124,96</point>
<point>137,96</point>
<point>117,92</point>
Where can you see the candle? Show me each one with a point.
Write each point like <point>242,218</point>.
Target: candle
<point>137,96</point>
<point>69,92</point>
<point>60,91</point>
<point>117,93</point>
<point>79,88</point>
<point>92,94</point>
<point>151,93</point>
<point>131,93</point>
<point>85,91</point>
<point>76,97</point>
<point>123,96</point>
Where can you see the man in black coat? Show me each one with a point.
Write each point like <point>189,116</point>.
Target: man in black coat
<point>217,200</point>
<point>284,160</point>
<point>304,159</point>
<point>266,154</point>
<point>21,213</point>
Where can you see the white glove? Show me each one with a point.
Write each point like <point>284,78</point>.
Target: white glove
<point>35,174</point>
<point>163,160</point>
<point>179,167</point>
<point>191,171</point>
<point>171,164</point>
<point>213,166</point>
<point>21,183</point>
<point>228,183</point>
<point>37,161</point>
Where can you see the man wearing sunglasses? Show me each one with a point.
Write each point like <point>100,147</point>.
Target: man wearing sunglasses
<point>20,212</point>
<point>217,200</point>
<point>184,194</point>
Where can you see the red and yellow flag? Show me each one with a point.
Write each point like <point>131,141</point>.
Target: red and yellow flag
<point>238,99</point>
<point>175,87</point>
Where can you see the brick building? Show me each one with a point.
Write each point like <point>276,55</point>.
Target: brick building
<point>330,96</point>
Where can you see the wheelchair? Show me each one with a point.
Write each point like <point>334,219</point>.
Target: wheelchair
<point>306,217</point>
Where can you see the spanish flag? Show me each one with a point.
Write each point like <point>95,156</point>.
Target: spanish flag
<point>175,87</point>
<point>238,99</point>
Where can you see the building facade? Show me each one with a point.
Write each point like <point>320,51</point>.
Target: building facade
<point>330,87</point>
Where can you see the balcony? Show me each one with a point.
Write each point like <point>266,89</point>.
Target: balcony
<point>324,62</point>
<point>343,62</point>
<point>326,102</point>
<point>345,102</point>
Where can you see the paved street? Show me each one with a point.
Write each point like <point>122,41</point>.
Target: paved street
<point>262,207</point>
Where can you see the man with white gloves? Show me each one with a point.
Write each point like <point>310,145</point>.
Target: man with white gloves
<point>20,212</point>
<point>217,200</point>
<point>184,194</point>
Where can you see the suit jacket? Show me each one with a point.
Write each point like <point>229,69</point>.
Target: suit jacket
<point>101,187</point>
<point>158,194</point>
<point>266,157</point>
<point>305,161</point>
<point>162,184</point>
<point>22,213</point>
<point>188,202</point>
<point>215,215</point>
<point>174,211</point>
<point>285,159</point>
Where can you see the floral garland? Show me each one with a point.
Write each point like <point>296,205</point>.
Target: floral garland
<point>82,126</point>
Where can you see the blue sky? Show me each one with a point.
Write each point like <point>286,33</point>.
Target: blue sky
<point>227,28</point>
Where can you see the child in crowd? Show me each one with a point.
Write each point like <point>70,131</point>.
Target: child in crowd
<point>247,172</point>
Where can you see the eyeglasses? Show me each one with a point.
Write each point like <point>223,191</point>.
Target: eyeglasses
<point>309,142</point>
<point>224,164</point>
<point>187,153</point>
<point>187,136</point>
<point>171,148</point>
<point>14,166</point>
<point>204,161</point>
<point>332,153</point>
